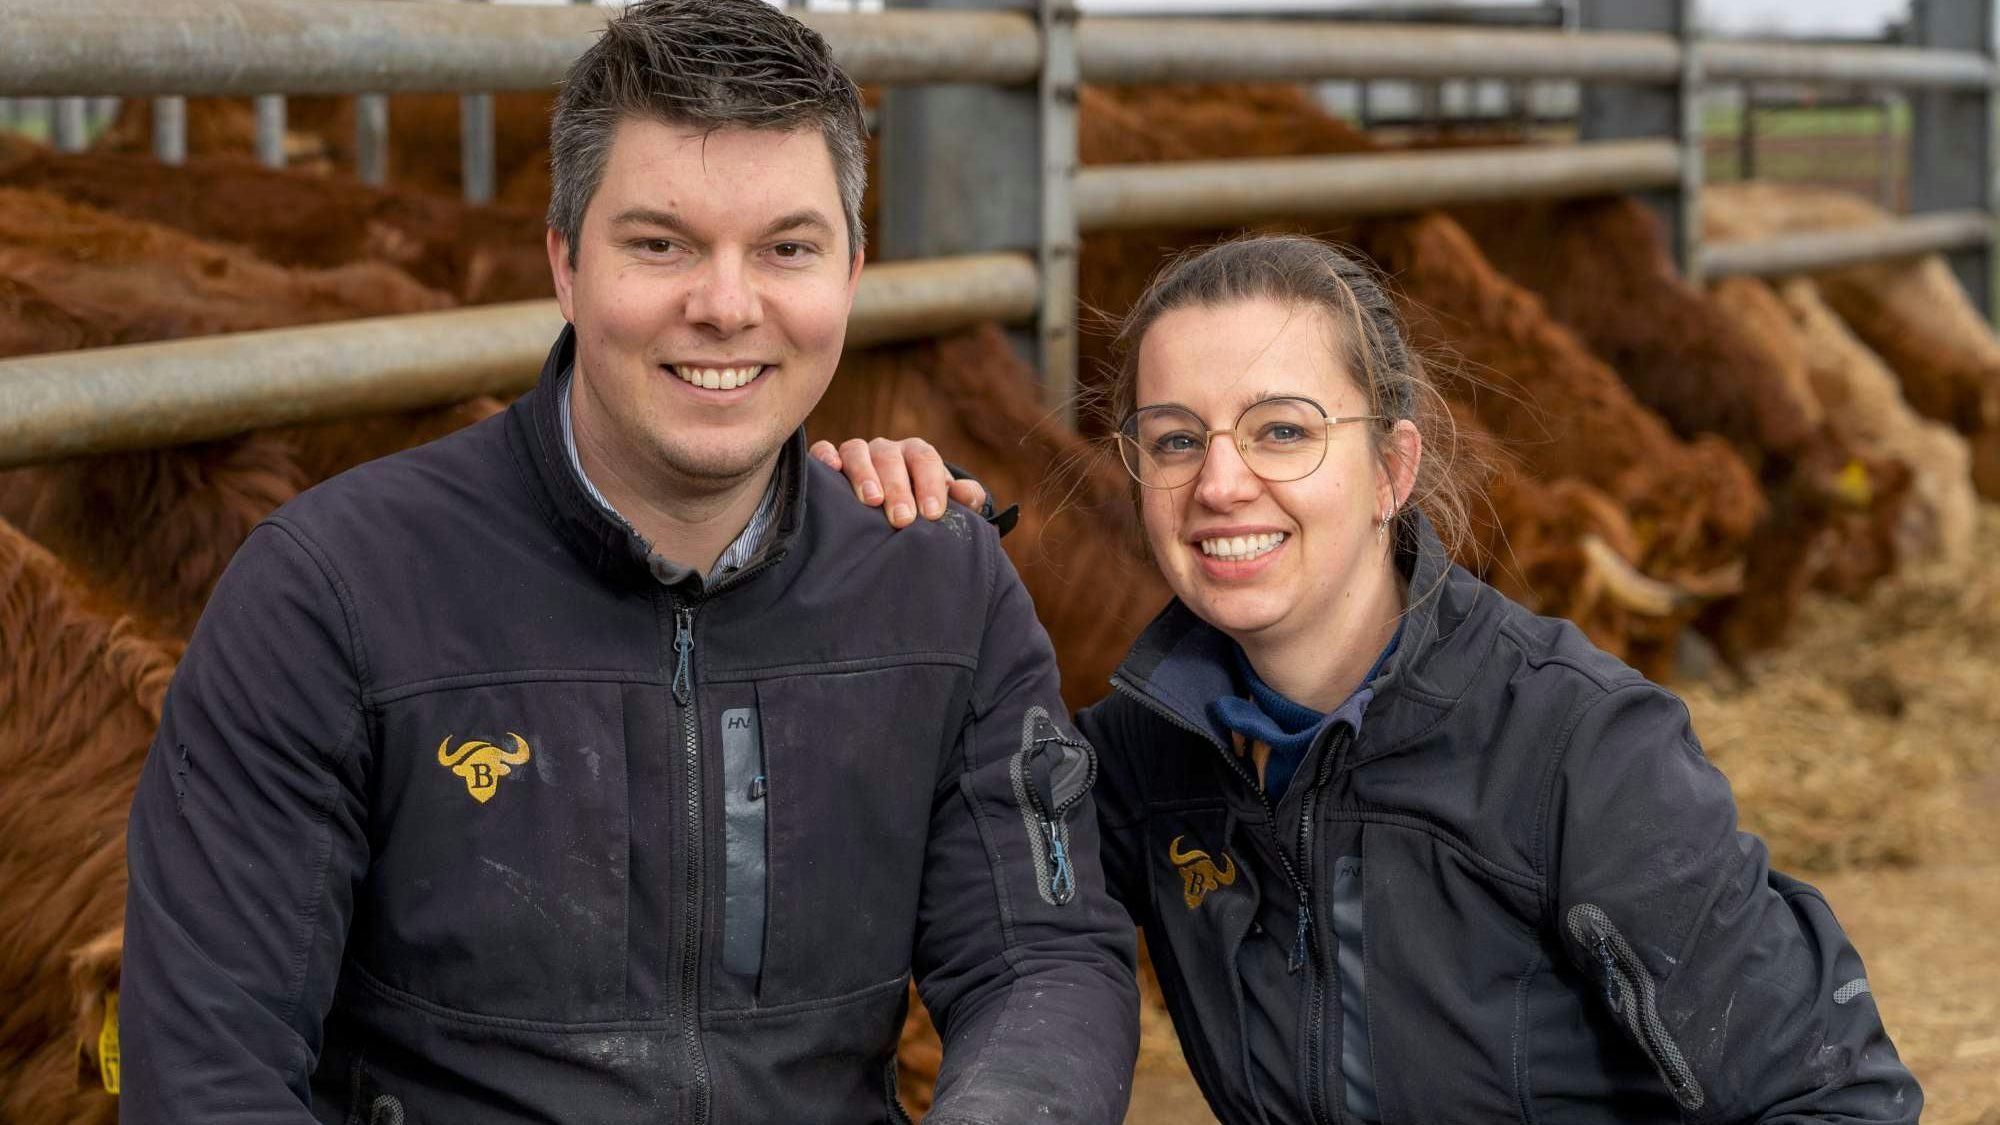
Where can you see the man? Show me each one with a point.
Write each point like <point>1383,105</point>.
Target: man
<point>605,761</point>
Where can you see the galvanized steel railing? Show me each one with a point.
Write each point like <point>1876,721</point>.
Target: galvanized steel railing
<point>127,398</point>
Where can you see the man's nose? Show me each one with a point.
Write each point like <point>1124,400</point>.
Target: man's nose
<point>724,299</point>
<point>1226,479</point>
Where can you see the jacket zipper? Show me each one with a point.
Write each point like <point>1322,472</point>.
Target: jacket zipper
<point>1316,980</point>
<point>1630,994</point>
<point>691,939</point>
<point>683,691</point>
<point>1062,877</point>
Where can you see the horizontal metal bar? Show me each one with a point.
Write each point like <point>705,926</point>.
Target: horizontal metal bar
<point>114,47</point>
<point>1228,192</point>
<point>910,300</point>
<point>1826,250</point>
<point>1127,51</point>
<point>339,46</point>
<point>148,395</point>
<point>1725,61</point>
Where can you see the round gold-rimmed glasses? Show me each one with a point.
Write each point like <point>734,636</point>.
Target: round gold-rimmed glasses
<point>1281,439</point>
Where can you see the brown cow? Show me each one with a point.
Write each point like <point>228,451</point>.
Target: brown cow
<point>1913,313</point>
<point>1602,267</point>
<point>143,281</point>
<point>79,699</point>
<point>476,254</point>
<point>152,530</point>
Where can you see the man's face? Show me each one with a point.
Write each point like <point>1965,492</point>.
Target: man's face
<point>710,297</point>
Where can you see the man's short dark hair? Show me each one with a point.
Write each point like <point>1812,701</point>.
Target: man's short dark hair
<point>708,65</point>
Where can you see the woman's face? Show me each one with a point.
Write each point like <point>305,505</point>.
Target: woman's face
<point>1253,558</point>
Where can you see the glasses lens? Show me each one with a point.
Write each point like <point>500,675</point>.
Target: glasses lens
<point>1283,439</point>
<point>1163,446</point>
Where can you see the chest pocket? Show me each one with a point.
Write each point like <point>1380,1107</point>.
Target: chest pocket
<point>1204,901</point>
<point>501,851</point>
<point>851,763</point>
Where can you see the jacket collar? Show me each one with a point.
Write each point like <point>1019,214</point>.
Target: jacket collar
<point>606,545</point>
<point>1181,663</point>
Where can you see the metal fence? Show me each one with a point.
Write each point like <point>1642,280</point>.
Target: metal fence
<point>968,214</point>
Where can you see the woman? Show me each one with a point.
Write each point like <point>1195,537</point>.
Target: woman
<point>1402,850</point>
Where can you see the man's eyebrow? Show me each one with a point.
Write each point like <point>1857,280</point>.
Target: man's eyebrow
<point>647,216</point>
<point>806,218</point>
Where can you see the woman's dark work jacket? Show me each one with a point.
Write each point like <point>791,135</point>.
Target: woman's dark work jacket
<point>1520,876</point>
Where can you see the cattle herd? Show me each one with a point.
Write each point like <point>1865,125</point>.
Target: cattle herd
<point>1672,468</point>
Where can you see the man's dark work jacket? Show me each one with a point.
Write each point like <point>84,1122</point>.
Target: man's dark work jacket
<point>1546,911</point>
<point>458,815</point>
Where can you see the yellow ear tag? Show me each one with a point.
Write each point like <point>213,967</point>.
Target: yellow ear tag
<point>1854,485</point>
<point>107,1045</point>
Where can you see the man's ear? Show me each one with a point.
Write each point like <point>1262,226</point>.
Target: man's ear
<point>560,270</point>
<point>854,279</point>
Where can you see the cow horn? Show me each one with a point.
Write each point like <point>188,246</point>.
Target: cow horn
<point>447,757</point>
<point>1649,597</point>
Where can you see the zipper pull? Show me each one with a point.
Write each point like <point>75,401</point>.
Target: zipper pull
<point>1298,960</point>
<point>1062,884</point>
<point>758,787</point>
<point>683,650</point>
<point>1612,999</point>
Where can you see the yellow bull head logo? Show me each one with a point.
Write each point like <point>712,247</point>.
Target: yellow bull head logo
<point>482,764</point>
<point>1199,875</point>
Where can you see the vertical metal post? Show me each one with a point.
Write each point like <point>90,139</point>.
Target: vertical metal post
<point>170,136</point>
<point>1951,134</point>
<point>1620,111</point>
<point>961,166</point>
<point>475,147</point>
<point>69,131</point>
<point>1886,151</point>
<point>270,129</point>
<point>34,116</point>
<point>1746,135</point>
<point>371,138</point>
<point>1060,243</point>
<point>102,112</point>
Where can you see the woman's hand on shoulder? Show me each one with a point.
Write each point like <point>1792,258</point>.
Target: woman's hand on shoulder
<point>903,478</point>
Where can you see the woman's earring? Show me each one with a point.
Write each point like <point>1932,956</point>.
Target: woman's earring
<point>1382,529</point>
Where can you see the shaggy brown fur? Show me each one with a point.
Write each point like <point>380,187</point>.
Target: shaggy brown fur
<point>1601,267</point>
<point>1912,313</point>
<point>330,448</point>
<point>1865,405</point>
<point>30,322</point>
<point>1563,413</point>
<point>475,254</point>
<point>78,704</point>
<point>142,281</point>
<point>151,531</point>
